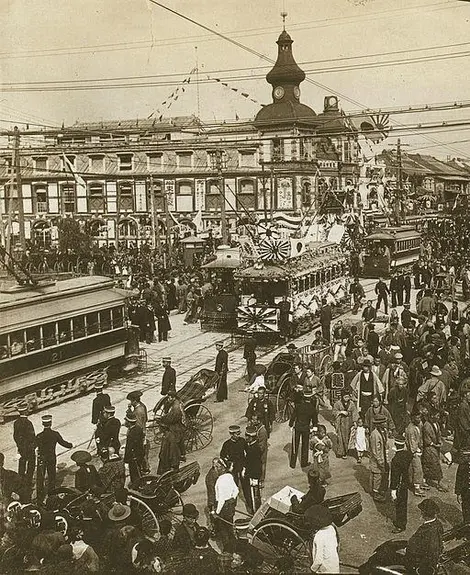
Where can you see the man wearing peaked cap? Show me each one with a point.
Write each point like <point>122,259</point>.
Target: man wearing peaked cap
<point>169,376</point>
<point>99,403</point>
<point>304,416</point>
<point>221,368</point>
<point>399,478</point>
<point>46,442</point>
<point>425,547</point>
<point>107,434</point>
<point>134,451</point>
<point>253,467</point>
<point>25,439</point>
<point>234,450</point>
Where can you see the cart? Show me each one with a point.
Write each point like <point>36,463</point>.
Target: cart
<point>389,556</point>
<point>284,538</point>
<point>199,422</point>
<point>280,371</point>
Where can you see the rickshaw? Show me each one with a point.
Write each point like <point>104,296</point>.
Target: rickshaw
<point>198,422</point>
<point>280,372</point>
<point>284,538</point>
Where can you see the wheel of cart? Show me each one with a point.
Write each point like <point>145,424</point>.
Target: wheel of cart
<point>199,423</point>
<point>285,398</point>
<point>282,547</point>
<point>162,494</point>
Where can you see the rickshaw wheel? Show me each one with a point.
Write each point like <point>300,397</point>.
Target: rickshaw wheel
<point>282,547</point>
<point>171,506</point>
<point>284,403</point>
<point>199,427</point>
<point>150,525</point>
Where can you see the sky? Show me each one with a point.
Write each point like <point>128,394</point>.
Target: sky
<point>57,44</point>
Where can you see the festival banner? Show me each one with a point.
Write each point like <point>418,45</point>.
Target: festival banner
<point>284,194</point>
<point>170,194</point>
<point>200,198</point>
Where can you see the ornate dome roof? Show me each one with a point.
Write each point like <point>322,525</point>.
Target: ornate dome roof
<point>285,70</point>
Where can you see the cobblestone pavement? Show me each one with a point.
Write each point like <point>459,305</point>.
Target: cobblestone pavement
<point>191,350</point>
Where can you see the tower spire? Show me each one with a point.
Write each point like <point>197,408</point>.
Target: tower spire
<point>284,16</point>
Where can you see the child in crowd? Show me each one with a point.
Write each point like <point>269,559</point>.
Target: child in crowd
<point>320,444</point>
<point>359,440</point>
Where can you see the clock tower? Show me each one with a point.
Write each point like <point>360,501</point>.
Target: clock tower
<point>285,79</point>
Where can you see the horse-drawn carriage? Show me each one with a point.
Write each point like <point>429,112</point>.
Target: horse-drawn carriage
<point>198,420</point>
<point>151,500</point>
<point>283,537</point>
<point>280,373</point>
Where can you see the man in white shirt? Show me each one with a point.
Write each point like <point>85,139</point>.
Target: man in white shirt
<point>226,493</point>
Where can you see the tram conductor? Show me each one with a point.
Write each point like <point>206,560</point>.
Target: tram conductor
<point>25,439</point>
<point>46,442</point>
<point>101,401</point>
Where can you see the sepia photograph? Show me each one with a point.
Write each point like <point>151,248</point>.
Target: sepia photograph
<point>235,287</point>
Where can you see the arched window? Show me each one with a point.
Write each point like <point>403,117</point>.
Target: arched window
<point>127,229</point>
<point>42,234</point>
<point>184,196</point>
<point>246,195</point>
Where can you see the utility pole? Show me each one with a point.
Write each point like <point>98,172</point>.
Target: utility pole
<point>398,199</point>
<point>168,223</point>
<point>152,212</point>
<point>19,190</point>
<point>271,195</point>
<point>223,216</point>
<point>265,207</point>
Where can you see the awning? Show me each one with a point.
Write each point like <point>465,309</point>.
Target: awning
<point>21,316</point>
<point>454,178</point>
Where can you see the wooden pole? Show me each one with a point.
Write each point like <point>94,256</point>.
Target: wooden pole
<point>19,190</point>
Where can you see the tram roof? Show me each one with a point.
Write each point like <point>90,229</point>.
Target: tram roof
<point>292,267</point>
<point>42,304</point>
<point>392,234</point>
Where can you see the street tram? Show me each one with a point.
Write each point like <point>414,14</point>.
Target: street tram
<point>390,248</point>
<point>219,311</point>
<point>57,340</point>
<point>321,271</point>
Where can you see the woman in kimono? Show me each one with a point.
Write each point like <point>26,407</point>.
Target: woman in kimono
<point>345,415</point>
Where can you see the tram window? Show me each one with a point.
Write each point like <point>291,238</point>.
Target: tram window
<point>48,335</point>
<point>301,285</point>
<point>118,318</point>
<point>307,283</point>
<point>33,339</point>
<point>65,333</point>
<point>78,327</point>
<point>328,275</point>
<point>16,343</point>
<point>3,346</point>
<point>92,324</point>
<point>105,320</point>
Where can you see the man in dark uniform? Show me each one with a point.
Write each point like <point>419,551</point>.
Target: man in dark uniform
<point>169,376</point>
<point>263,407</point>
<point>462,484</point>
<point>25,439</point>
<point>86,476</point>
<point>284,315</point>
<point>382,292</point>
<point>400,287</point>
<point>221,367</point>
<point>46,442</point>
<point>251,477</point>
<point>399,483</point>
<point>304,416</point>
<point>425,547</point>
<point>99,403</point>
<point>234,450</point>
<point>407,287</point>
<point>326,317</point>
<point>107,434</point>
<point>134,450</point>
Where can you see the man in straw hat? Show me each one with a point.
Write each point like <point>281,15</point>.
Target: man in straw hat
<point>304,416</point>
<point>25,439</point>
<point>86,476</point>
<point>134,450</point>
<point>46,442</point>
<point>378,459</point>
<point>221,367</point>
<point>399,482</point>
<point>425,547</point>
<point>433,389</point>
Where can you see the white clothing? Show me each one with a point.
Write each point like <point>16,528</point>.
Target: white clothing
<point>361,444</point>
<point>325,558</point>
<point>257,383</point>
<point>225,489</point>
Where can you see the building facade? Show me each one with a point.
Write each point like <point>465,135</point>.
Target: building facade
<point>126,181</point>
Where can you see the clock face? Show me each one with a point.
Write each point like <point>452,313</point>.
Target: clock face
<point>278,92</point>
<point>297,92</point>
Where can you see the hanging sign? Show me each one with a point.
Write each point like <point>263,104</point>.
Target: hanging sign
<point>284,194</point>
<point>170,194</point>
<point>200,195</point>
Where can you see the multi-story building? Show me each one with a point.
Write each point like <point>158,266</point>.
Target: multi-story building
<point>122,180</point>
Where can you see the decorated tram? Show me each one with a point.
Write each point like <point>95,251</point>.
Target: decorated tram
<point>390,248</point>
<point>58,339</point>
<point>319,271</point>
<point>219,311</point>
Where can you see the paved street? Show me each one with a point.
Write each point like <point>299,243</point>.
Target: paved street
<point>192,349</point>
